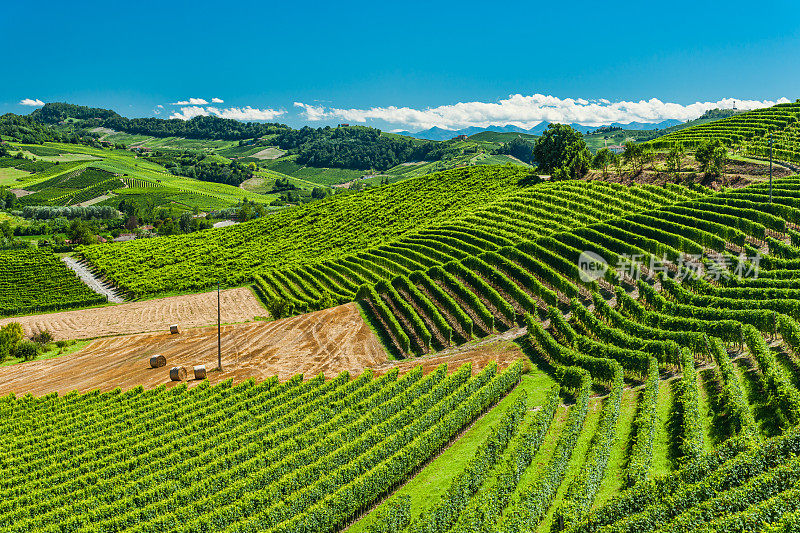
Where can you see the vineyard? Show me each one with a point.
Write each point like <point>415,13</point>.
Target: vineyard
<point>329,228</point>
<point>327,249</point>
<point>127,176</point>
<point>34,281</point>
<point>661,324</point>
<point>720,351</point>
<point>72,188</point>
<point>306,454</point>
<point>747,132</point>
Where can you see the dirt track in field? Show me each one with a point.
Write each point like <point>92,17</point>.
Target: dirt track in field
<point>191,311</point>
<point>329,341</point>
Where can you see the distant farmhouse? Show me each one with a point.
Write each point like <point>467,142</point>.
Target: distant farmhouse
<point>616,148</point>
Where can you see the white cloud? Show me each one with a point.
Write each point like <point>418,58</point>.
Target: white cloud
<point>314,112</point>
<point>187,113</point>
<point>31,102</point>
<point>191,101</point>
<point>235,113</point>
<point>528,111</point>
<point>246,113</point>
<point>217,101</point>
<point>157,109</point>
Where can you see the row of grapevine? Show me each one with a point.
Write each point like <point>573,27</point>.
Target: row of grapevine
<point>34,281</point>
<point>266,454</point>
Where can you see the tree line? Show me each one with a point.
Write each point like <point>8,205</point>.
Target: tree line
<point>354,147</point>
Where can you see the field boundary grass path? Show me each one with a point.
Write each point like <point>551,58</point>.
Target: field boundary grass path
<point>92,281</point>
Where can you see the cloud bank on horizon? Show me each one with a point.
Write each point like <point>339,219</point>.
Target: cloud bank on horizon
<point>528,111</point>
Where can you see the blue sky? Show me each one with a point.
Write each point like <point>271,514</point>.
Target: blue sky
<point>402,65</point>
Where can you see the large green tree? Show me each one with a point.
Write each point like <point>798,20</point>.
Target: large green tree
<point>712,156</point>
<point>561,151</point>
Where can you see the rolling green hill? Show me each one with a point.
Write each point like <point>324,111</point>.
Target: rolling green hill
<point>126,177</point>
<point>747,132</point>
<point>730,338</point>
<point>329,228</point>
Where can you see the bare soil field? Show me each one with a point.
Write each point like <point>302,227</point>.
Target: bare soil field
<point>329,342</point>
<point>191,311</point>
<point>504,352</point>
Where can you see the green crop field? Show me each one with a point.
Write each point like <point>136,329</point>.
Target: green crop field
<point>33,281</point>
<point>339,444</point>
<point>713,449</point>
<point>331,228</point>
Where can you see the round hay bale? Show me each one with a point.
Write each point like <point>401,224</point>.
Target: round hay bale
<point>158,361</point>
<point>173,329</point>
<point>200,372</point>
<point>177,373</point>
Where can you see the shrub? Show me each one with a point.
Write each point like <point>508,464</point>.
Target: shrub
<point>26,350</point>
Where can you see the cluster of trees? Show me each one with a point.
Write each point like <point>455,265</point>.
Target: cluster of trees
<point>7,198</point>
<point>184,223</point>
<point>520,148</point>
<point>712,156</point>
<point>197,165</point>
<point>281,185</point>
<point>14,344</point>
<point>356,147</point>
<point>55,112</point>
<point>562,152</point>
<point>234,173</point>
<point>196,128</point>
<point>29,131</point>
<point>165,220</point>
<point>716,114</point>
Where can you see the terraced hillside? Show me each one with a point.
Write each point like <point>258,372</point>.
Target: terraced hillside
<point>747,132</point>
<point>79,185</point>
<point>324,251</point>
<point>701,337</point>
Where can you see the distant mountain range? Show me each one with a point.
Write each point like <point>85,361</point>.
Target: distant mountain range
<point>441,134</point>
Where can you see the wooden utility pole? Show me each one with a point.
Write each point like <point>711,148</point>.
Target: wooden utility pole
<point>219,330</point>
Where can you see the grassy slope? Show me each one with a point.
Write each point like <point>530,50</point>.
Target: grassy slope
<point>576,461</point>
<point>427,486</point>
